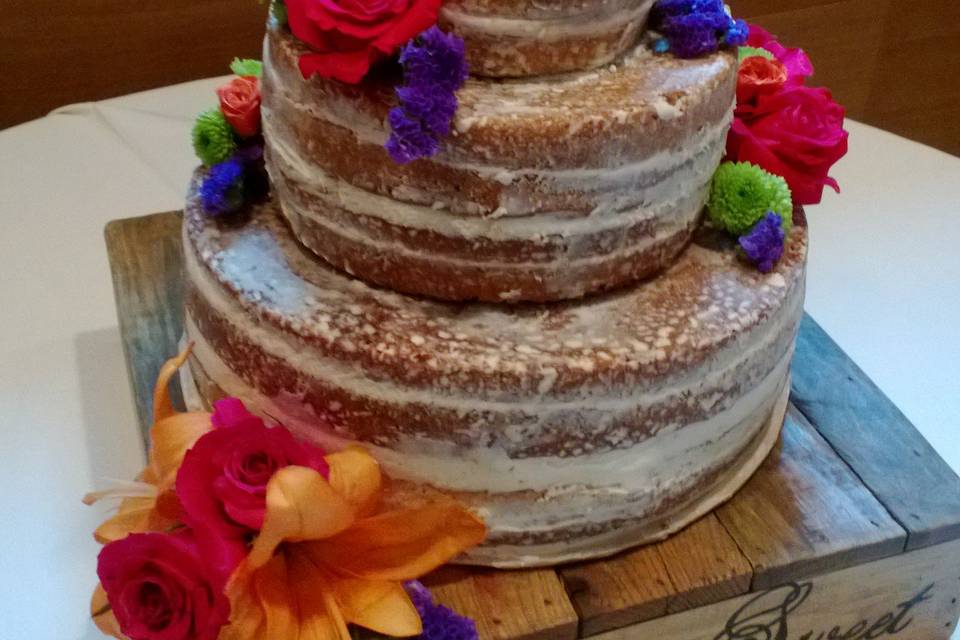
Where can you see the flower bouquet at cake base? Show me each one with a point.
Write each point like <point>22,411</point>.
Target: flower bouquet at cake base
<point>236,530</point>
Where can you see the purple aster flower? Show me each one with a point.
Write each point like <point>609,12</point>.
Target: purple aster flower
<point>434,108</point>
<point>763,244</point>
<point>221,191</point>
<point>697,27</point>
<point>665,8</point>
<point>737,34</point>
<point>439,622</point>
<point>714,21</point>
<point>408,139</point>
<point>250,153</point>
<point>435,59</point>
<point>693,43</point>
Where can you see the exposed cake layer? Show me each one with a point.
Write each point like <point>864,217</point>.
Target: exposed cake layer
<point>548,188</point>
<point>642,405</point>
<point>515,38</point>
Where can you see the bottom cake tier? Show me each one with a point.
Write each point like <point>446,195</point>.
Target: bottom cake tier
<point>574,430</point>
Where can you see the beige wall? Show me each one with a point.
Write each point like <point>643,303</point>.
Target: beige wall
<point>893,63</point>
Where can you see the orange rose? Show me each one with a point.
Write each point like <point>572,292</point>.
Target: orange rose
<point>759,76</point>
<point>240,104</point>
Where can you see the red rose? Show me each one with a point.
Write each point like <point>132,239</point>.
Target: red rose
<point>348,36</point>
<point>161,587</point>
<point>796,133</point>
<point>231,412</point>
<point>240,104</point>
<point>758,76</point>
<point>222,483</point>
<point>797,63</point>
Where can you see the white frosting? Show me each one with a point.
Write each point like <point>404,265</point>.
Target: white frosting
<point>352,379</point>
<point>641,189</point>
<point>547,30</point>
<point>420,459</point>
<point>628,483</point>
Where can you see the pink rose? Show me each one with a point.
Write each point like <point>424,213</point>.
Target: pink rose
<point>796,133</point>
<point>347,36</point>
<point>795,61</point>
<point>161,587</point>
<point>758,76</point>
<point>222,483</point>
<point>240,104</point>
<point>231,412</point>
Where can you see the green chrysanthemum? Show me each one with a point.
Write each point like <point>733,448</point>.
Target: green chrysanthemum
<point>213,138</point>
<point>749,52</point>
<point>279,11</point>
<point>246,67</point>
<point>742,193</point>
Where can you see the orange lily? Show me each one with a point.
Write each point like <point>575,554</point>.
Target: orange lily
<point>150,504</point>
<point>324,559</point>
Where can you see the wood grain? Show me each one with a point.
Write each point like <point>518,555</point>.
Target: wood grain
<point>146,263</point>
<point>508,605</point>
<point>705,565</point>
<point>619,591</point>
<point>804,512</point>
<point>875,439</point>
<point>912,596</point>
<point>700,565</point>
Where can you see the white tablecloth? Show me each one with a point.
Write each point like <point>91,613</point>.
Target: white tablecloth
<point>884,281</point>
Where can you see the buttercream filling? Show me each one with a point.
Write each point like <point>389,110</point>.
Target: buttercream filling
<point>549,29</point>
<point>350,377</point>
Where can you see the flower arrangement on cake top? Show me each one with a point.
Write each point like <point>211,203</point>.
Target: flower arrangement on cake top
<point>784,139</point>
<point>228,142</point>
<point>239,531</point>
<point>782,125</point>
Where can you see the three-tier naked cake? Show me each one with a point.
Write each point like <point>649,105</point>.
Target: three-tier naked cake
<point>531,315</point>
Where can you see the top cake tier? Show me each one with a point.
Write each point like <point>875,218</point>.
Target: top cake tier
<point>514,38</point>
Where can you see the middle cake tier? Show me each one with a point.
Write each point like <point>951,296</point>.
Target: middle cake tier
<point>547,189</point>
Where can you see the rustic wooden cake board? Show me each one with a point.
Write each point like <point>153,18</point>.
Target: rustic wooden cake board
<point>850,529</point>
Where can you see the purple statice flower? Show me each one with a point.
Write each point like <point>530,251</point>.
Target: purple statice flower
<point>434,68</point>
<point>434,108</point>
<point>696,27</point>
<point>435,59</point>
<point>221,191</point>
<point>763,244</point>
<point>439,622</point>
<point>408,138</point>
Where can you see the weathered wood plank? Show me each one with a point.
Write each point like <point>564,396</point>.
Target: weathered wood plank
<point>619,591</point>
<point>913,596</point>
<point>705,565</point>
<point>805,512</point>
<point>878,442</point>
<point>146,262</point>
<point>508,605</point>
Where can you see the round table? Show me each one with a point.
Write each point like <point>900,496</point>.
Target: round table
<point>884,281</point>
